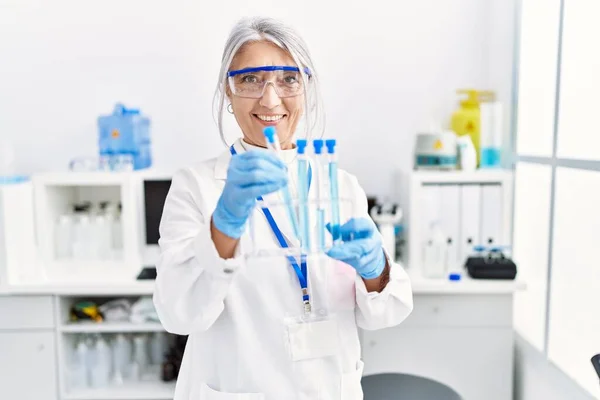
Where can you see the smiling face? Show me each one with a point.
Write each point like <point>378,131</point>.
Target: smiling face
<point>253,115</point>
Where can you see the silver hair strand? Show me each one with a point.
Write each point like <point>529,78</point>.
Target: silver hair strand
<point>268,29</point>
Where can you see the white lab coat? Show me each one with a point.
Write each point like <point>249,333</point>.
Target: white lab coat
<point>237,312</point>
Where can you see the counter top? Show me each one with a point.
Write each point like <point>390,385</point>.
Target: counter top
<point>146,287</point>
<point>466,285</point>
<point>133,288</point>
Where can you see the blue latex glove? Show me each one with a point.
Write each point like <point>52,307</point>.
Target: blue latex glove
<point>361,248</point>
<point>250,174</point>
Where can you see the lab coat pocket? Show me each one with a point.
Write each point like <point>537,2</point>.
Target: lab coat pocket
<point>208,393</point>
<point>351,387</point>
<point>341,286</point>
<point>313,339</point>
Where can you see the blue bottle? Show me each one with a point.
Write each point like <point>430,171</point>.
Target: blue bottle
<point>125,134</point>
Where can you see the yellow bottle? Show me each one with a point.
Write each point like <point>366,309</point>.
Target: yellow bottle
<point>465,120</point>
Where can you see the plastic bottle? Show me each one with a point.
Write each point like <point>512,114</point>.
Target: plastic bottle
<point>466,153</point>
<point>465,120</point>
<point>102,367</point>
<point>491,134</point>
<point>453,267</point>
<point>102,236</point>
<point>90,359</point>
<point>83,245</point>
<point>121,350</point>
<point>117,228</point>
<point>63,237</point>
<point>8,173</point>
<point>140,356</point>
<point>158,348</point>
<point>79,369</point>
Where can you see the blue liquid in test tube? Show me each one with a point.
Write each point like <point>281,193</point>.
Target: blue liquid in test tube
<point>303,194</point>
<point>333,185</point>
<point>318,148</point>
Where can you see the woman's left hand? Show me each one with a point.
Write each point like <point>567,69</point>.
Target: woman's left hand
<point>361,248</point>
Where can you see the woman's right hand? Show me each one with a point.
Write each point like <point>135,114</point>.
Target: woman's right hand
<point>250,174</point>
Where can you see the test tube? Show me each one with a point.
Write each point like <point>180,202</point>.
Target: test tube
<point>303,194</point>
<point>273,144</point>
<point>318,148</point>
<point>333,187</point>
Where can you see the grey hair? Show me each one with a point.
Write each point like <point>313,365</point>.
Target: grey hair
<point>268,29</point>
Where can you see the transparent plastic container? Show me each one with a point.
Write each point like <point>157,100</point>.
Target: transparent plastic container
<point>262,242</point>
<point>8,167</point>
<point>64,236</point>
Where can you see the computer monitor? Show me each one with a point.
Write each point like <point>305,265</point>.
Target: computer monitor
<point>155,194</point>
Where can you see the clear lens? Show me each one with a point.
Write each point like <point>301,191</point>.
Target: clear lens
<point>252,84</point>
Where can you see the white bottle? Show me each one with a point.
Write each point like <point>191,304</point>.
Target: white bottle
<point>113,214</point>
<point>90,359</point>
<point>121,351</point>
<point>102,237</point>
<point>466,153</point>
<point>117,230</point>
<point>140,356</point>
<point>453,267</point>
<point>82,243</point>
<point>63,237</point>
<point>102,367</point>
<point>79,372</point>
<point>158,348</point>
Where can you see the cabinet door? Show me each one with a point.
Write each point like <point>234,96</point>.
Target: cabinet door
<point>28,365</point>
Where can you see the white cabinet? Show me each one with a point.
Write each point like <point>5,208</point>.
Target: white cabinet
<point>464,341</point>
<point>27,348</point>
<point>469,208</point>
<point>28,367</point>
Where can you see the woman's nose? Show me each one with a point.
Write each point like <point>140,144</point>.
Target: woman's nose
<point>270,99</point>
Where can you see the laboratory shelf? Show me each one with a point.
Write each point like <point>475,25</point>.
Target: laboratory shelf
<point>110,327</point>
<point>151,390</point>
<point>481,176</point>
<point>83,178</point>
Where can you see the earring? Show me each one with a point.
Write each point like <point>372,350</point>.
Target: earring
<point>230,108</point>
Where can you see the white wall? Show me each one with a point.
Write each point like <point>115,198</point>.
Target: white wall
<point>538,379</point>
<point>387,67</point>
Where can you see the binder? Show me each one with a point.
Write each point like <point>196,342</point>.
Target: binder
<point>491,215</point>
<point>431,208</point>
<point>470,209</point>
<point>450,222</point>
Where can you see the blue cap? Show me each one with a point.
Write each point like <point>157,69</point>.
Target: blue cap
<point>270,132</point>
<point>12,179</point>
<point>330,143</point>
<point>454,277</point>
<point>301,143</point>
<point>318,145</point>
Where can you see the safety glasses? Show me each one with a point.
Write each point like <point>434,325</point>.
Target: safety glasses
<point>251,82</point>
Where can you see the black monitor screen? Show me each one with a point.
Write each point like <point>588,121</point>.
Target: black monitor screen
<point>155,193</point>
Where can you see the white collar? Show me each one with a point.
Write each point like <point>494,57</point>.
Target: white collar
<point>289,157</point>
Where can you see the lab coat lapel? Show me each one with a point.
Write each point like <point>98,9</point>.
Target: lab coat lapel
<point>222,163</point>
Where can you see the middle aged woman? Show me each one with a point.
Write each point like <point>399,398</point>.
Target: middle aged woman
<point>268,328</point>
